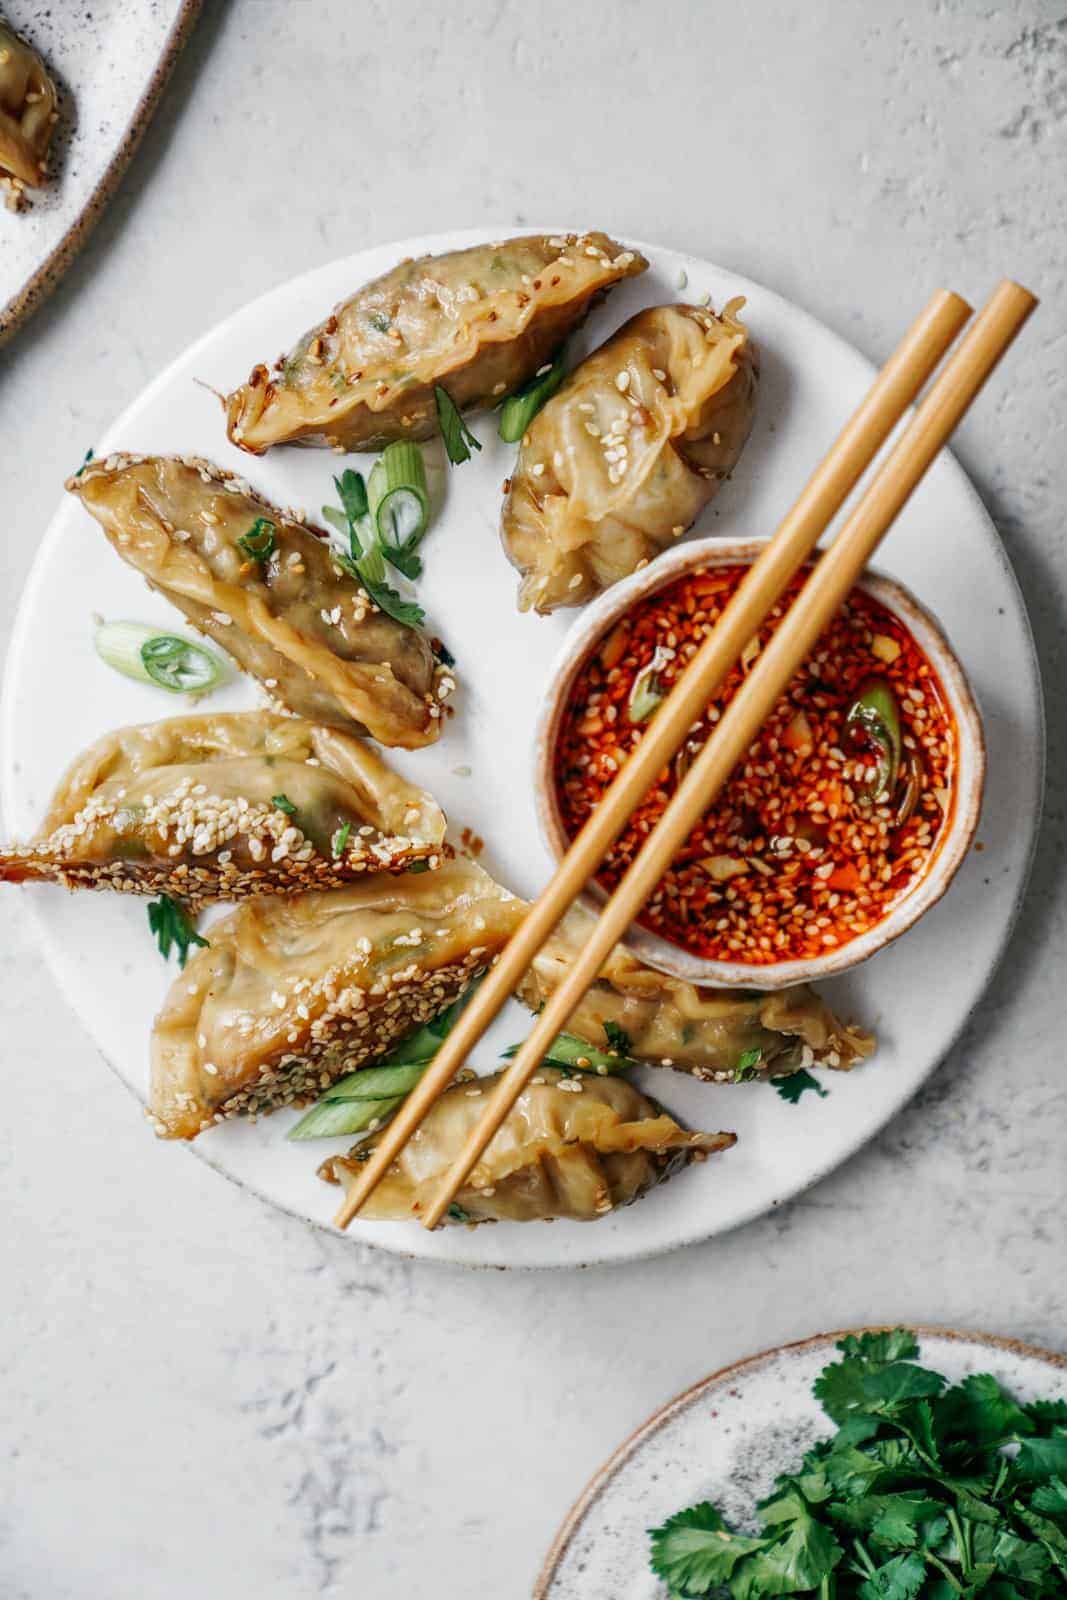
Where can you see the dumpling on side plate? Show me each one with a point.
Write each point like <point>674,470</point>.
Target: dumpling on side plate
<point>225,806</point>
<point>292,994</point>
<point>27,114</point>
<point>288,615</point>
<point>575,1147</point>
<point>722,1035</point>
<point>479,322</point>
<point>628,452</point>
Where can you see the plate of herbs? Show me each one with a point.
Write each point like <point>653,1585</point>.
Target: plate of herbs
<point>881,1464</point>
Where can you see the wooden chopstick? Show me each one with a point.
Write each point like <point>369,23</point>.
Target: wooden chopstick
<point>896,386</point>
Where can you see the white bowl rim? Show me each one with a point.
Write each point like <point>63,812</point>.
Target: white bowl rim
<point>968,785</point>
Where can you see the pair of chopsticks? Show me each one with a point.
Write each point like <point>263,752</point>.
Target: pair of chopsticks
<point>824,592</point>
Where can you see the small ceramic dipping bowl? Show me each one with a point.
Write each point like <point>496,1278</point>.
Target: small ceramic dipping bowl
<point>952,842</point>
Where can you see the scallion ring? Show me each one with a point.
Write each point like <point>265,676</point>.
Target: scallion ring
<point>397,495</point>
<point>149,656</point>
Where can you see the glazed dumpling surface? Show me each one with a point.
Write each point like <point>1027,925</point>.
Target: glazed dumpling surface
<point>219,807</point>
<point>291,994</point>
<point>625,456</point>
<point>480,322</point>
<point>573,1147</point>
<point>706,1032</point>
<point>297,622</point>
<point>27,112</point>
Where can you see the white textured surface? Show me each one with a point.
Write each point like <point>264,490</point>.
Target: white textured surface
<point>201,1396</point>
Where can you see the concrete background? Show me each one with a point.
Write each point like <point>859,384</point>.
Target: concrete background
<point>203,1397</point>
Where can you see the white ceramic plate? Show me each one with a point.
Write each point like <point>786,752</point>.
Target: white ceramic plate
<point>110,60</point>
<point>918,994</point>
<point>725,1440</point>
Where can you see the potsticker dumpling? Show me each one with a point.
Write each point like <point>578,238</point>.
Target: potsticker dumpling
<point>292,994</point>
<point>221,807</point>
<point>625,456</point>
<point>27,114</point>
<point>293,619</point>
<point>479,322</point>
<point>723,1035</point>
<point>575,1147</point>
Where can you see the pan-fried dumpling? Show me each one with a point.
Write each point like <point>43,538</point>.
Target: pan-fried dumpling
<point>723,1035</point>
<point>292,994</point>
<point>292,619</point>
<point>573,1147</point>
<point>480,322</point>
<point>225,806</point>
<point>625,456</point>
<point>27,113</point>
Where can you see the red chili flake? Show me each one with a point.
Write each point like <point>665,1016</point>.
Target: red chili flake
<point>793,860</point>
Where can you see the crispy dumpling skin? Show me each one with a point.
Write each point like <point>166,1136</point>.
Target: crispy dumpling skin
<point>628,452</point>
<point>479,321</point>
<point>705,1032</point>
<point>574,1147</point>
<point>184,807</point>
<point>296,622</point>
<point>27,112</point>
<point>291,994</point>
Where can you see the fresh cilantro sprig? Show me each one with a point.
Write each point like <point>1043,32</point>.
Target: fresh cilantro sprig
<point>927,1491</point>
<point>173,928</point>
<point>458,439</point>
<point>366,556</point>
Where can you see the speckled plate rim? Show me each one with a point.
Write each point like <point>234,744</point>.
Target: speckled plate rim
<point>1031,809</point>
<point>734,1370</point>
<point>35,291</point>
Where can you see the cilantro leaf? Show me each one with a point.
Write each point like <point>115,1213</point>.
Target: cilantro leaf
<point>902,1578</point>
<point>854,1385</point>
<point>173,927</point>
<point>979,1411</point>
<point>694,1551</point>
<point>1051,1497</point>
<point>792,1087</point>
<point>459,441</point>
<point>618,1039</point>
<point>1043,1458</point>
<point>896,1344</point>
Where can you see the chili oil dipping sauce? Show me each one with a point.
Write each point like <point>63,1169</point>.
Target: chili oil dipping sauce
<point>836,812</point>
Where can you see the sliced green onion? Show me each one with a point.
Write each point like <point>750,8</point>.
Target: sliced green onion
<point>459,440</point>
<point>748,1065</point>
<point>574,1054</point>
<point>282,802</point>
<point>259,542</point>
<point>148,656</point>
<point>339,842</point>
<point>873,723</point>
<point>397,495</point>
<point>520,408</point>
<point>371,1094</point>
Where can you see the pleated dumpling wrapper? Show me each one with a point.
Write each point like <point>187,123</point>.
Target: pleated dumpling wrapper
<point>291,618</point>
<point>721,1035</point>
<point>628,452</point>
<point>479,322</point>
<point>576,1147</point>
<point>291,994</point>
<point>226,806</point>
<point>27,114</point>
